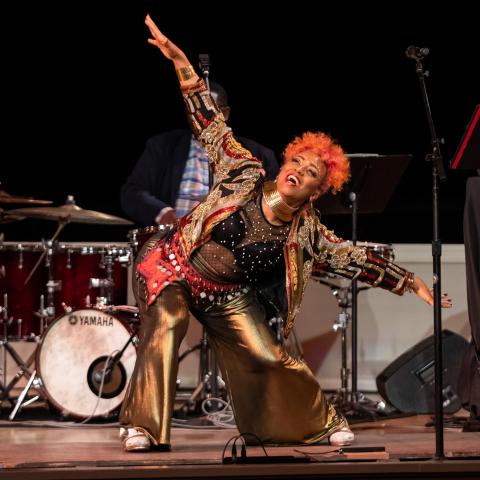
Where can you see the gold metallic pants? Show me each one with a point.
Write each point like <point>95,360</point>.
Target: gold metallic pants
<point>273,395</point>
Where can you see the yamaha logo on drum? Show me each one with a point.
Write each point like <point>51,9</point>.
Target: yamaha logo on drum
<point>91,320</point>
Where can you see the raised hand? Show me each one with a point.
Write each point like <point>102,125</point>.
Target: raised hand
<point>426,294</point>
<point>166,46</point>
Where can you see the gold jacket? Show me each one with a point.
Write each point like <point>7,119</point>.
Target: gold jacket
<point>238,178</point>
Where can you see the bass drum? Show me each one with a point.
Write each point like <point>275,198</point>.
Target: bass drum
<point>71,362</point>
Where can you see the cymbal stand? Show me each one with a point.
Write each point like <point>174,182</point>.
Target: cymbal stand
<point>52,286</point>
<point>109,283</point>
<point>61,225</point>
<point>292,344</point>
<point>5,322</point>
<point>344,299</point>
<point>343,294</point>
<point>32,381</point>
<point>46,315</point>
<point>342,291</point>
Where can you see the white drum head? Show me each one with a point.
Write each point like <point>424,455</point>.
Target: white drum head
<point>71,361</point>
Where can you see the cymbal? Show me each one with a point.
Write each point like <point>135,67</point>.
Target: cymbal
<point>7,198</point>
<point>70,213</point>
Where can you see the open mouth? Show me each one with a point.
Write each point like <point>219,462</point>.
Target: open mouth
<point>293,180</point>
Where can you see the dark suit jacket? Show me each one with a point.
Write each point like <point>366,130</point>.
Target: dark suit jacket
<point>155,179</point>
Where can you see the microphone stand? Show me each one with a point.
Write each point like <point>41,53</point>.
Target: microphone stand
<point>209,381</point>
<point>438,173</point>
<point>204,65</point>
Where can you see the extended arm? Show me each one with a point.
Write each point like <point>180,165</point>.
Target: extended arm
<point>207,121</point>
<point>342,258</point>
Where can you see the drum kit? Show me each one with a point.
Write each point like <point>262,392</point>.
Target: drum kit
<point>66,298</point>
<point>70,299</point>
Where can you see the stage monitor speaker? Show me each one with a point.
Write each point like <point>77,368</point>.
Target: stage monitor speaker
<point>408,383</point>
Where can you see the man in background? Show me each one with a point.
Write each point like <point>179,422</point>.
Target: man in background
<point>172,175</point>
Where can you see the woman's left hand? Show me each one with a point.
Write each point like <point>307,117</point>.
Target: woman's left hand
<point>166,46</point>
<point>426,294</point>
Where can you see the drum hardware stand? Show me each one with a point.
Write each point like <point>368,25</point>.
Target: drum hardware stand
<point>210,381</point>
<point>5,344</point>
<point>344,298</point>
<point>48,314</point>
<point>343,294</point>
<point>277,324</point>
<point>22,372</point>
<point>296,350</point>
<point>36,383</point>
<point>106,284</point>
<point>61,225</point>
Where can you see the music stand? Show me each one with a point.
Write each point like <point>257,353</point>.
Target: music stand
<point>373,180</point>
<point>467,155</point>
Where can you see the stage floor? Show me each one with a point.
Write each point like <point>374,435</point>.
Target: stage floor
<point>43,449</point>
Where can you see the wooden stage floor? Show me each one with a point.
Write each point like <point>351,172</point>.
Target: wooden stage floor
<point>56,450</point>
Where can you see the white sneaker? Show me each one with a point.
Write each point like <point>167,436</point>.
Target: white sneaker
<point>342,437</point>
<point>134,440</point>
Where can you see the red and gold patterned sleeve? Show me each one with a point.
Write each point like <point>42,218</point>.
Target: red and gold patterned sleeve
<point>209,127</point>
<point>342,258</point>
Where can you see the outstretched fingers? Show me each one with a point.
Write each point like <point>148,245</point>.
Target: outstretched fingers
<point>445,302</point>
<point>166,46</point>
<point>159,39</point>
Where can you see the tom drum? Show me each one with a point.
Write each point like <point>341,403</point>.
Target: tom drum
<point>139,236</point>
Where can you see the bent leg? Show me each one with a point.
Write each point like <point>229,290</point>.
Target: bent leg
<point>273,395</point>
<point>149,401</point>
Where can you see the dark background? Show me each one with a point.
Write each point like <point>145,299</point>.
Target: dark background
<point>82,91</point>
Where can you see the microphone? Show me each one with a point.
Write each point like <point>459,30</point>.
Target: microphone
<point>204,64</point>
<point>416,53</point>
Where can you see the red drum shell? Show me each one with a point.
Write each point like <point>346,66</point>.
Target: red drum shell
<point>16,262</point>
<point>75,265</point>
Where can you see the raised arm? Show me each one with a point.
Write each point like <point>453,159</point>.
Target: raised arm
<point>208,123</point>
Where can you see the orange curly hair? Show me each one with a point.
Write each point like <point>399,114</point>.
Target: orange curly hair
<point>338,166</point>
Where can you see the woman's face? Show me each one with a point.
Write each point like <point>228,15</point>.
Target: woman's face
<point>301,178</point>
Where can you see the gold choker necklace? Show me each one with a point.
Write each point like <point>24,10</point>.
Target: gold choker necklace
<point>275,201</point>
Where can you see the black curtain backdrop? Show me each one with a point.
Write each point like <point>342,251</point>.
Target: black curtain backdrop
<point>82,91</point>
